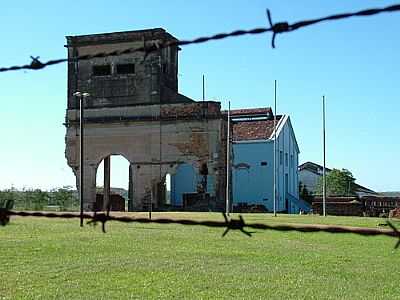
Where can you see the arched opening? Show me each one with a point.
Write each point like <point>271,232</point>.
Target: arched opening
<point>113,182</point>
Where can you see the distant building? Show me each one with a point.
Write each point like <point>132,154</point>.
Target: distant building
<point>253,161</point>
<point>310,173</point>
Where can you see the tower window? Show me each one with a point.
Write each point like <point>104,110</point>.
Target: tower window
<point>101,70</point>
<point>126,69</point>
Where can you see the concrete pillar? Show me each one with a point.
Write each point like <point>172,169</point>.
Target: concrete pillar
<point>106,186</point>
<point>89,183</point>
<point>143,186</point>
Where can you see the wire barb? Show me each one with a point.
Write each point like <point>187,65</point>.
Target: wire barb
<point>235,225</point>
<point>102,218</point>
<point>4,217</point>
<point>276,28</point>
<point>396,232</point>
<point>36,64</point>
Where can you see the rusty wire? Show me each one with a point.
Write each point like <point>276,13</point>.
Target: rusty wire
<point>228,223</point>
<point>275,28</point>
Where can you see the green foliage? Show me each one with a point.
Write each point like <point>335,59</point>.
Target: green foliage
<point>35,199</point>
<point>6,195</point>
<point>64,198</point>
<point>338,183</point>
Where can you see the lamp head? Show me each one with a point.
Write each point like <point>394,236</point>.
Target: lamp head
<point>80,94</point>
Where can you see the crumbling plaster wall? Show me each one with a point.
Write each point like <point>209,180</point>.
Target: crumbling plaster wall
<point>153,147</point>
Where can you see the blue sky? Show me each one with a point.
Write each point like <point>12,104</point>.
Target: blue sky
<point>354,63</point>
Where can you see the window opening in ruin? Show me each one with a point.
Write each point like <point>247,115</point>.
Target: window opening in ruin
<point>126,69</point>
<point>101,70</point>
<point>119,183</point>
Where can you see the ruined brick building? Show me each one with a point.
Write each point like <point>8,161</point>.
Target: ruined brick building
<point>135,110</point>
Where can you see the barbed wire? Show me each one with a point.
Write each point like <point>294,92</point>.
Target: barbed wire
<point>228,223</point>
<point>275,28</point>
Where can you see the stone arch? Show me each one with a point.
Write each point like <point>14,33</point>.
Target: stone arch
<point>108,174</point>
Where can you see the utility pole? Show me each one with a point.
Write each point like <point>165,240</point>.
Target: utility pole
<point>81,97</point>
<point>228,141</point>
<point>204,89</point>
<point>324,156</point>
<point>274,192</point>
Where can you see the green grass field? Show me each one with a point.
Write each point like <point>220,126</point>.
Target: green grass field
<point>56,259</point>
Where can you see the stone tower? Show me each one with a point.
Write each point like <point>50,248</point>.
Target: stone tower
<point>135,110</point>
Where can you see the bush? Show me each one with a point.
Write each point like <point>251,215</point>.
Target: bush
<point>37,199</point>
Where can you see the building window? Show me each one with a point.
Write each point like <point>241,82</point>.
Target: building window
<point>291,161</point>
<point>286,160</point>
<point>263,163</point>
<point>101,70</point>
<point>126,69</point>
<point>281,157</point>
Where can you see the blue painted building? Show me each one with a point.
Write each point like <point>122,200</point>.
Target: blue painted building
<point>253,161</point>
<point>252,165</point>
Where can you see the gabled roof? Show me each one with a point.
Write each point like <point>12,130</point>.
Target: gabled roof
<point>313,167</point>
<point>245,130</point>
<point>252,123</point>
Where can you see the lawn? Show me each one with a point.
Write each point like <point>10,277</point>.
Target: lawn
<point>56,259</point>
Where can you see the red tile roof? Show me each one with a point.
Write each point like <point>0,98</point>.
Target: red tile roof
<point>253,129</point>
<point>249,111</point>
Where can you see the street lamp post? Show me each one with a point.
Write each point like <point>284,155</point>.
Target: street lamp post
<point>324,168</point>
<point>81,97</point>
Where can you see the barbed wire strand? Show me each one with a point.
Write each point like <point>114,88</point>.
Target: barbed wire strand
<point>275,28</point>
<point>228,223</point>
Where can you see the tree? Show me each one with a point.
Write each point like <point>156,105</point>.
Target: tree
<point>338,183</point>
<point>35,199</point>
<point>64,198</point>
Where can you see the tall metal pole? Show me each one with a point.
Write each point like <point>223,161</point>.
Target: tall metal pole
<point>274,192</point>
<point>228,141</point>
<point>81,97</point>
<point>204,90</point>
<point>324,168</point>
<point>81,157</point>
